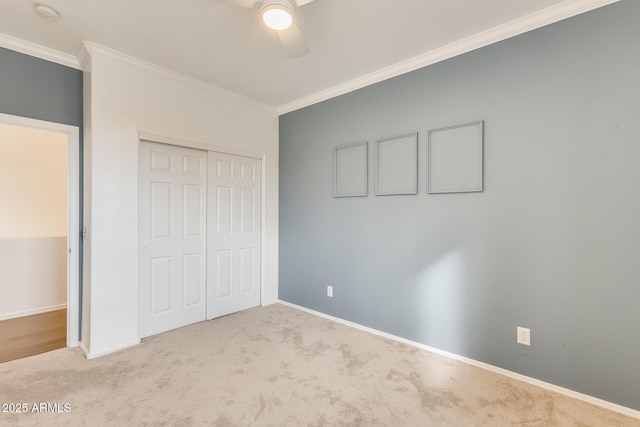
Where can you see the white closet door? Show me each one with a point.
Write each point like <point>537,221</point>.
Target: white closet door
<point>172,254</point>
<point>233,234</point>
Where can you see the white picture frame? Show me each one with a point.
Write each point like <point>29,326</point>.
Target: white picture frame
<point>351,170</point>
<point>456,159</point>
<point>397,165</point>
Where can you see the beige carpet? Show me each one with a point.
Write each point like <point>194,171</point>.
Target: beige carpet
<point>278,366</point>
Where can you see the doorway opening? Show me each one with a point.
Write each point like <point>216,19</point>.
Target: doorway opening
<point>39,236</point>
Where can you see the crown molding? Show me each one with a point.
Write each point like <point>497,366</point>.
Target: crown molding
<point>38,51</point>
<point>550,15</point>
<point>93,48</point>
<point>84,57</point>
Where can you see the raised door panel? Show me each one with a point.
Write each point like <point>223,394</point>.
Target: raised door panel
<point>224,209</point>
<point>247,210</point>
<point>247,270</point>
<point>160,285</point>
<point>192,210</point>
<point>223,274</point>
<point>160,210</point>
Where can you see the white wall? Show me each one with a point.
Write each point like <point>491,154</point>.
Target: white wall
<point>123,98</point>
<point>33,220</point>
<point>34,276</point>
<point>33,182</point>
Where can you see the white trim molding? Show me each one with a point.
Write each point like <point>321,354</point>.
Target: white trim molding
<point>542,384</point>
<point>550,15</point>
<point>151,137</point>
<point>92,355</point>
<point>38,51</point>
<point>32,312</point>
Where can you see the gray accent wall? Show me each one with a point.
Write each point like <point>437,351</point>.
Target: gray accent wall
<point>553,242</point>
<point>39,89</point>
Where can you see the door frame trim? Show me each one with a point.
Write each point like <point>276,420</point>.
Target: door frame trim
<point>73,212</point>
<point>199,145</point>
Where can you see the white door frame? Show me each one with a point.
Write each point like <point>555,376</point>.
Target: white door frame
<point>226,150</point>
<point>73,212</point>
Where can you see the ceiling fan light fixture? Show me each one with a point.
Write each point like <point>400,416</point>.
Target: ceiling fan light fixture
<point>277,16</point>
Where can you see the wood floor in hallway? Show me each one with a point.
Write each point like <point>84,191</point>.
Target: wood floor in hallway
<point>29,335</point>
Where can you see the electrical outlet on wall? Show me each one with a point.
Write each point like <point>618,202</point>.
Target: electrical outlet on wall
<point>330,291</point>
<point>523,336</point>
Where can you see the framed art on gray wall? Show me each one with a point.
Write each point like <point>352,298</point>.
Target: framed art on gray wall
<point>397,165</point>
<point>350,170</point>
<point>456,159</point>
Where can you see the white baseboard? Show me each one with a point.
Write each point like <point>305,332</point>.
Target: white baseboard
<point>92,355</point>
<point>542,384</point>
<point>268,302</point>
<point>32,312</point>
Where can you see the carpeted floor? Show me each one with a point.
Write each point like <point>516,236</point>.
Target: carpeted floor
<point>277,366</point>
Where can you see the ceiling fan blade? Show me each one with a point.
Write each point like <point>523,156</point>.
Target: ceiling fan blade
<point>242,3</point>
<point>302,2</point>
<point>293,42</point>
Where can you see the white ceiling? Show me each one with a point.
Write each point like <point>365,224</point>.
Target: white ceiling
<point>229,46</point>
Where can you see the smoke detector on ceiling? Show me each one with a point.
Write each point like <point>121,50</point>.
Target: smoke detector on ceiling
<point>47,12</point>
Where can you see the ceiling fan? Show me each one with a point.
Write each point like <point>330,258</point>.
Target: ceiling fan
<point>279,15</point>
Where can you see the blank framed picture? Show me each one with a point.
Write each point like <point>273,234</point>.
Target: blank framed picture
<point>350,170</point>
<point>455,159</point>
<point>397,165</point>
